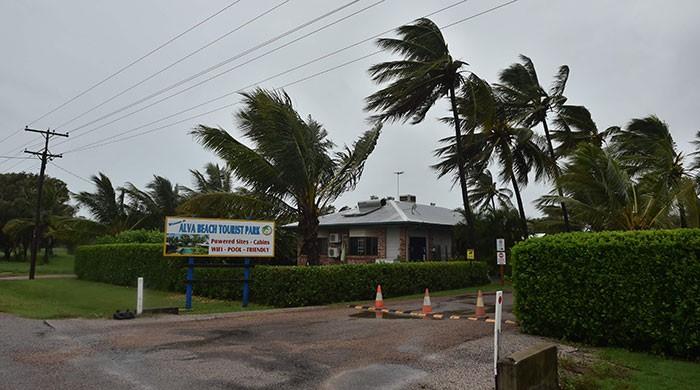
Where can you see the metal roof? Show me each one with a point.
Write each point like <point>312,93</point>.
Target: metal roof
<point>393,212</point>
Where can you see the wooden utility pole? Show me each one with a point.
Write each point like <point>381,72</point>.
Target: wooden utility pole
<point>45,157</point>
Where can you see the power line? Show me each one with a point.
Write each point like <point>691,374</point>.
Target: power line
<point>11,167</point>
<point>220,64</point>
<point>258,82</point>
<point>71,173</point>
<point>132,63</point>
<point>122,92</point>
<point>15,158</point>
<point>111,139</point>
<point>92,87</point>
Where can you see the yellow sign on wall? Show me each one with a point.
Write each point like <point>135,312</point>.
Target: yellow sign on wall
<point>470,254</point>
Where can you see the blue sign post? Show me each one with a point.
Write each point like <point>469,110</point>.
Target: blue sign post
<point>246,281</point>
<point>190,279</point>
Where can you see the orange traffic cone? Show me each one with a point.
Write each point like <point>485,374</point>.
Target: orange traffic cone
<point>379,300</point>
<point>480,309</point>
<point>427,307</point>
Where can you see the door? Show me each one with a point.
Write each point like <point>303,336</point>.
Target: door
<point>417,249</point>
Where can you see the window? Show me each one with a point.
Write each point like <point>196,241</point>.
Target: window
<point>363,246</point>
<point>322,246</point>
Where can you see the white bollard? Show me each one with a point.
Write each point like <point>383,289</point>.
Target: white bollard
<point>497,331</point>
<point>139,297</point>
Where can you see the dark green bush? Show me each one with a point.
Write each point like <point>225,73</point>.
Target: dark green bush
<point>639,290</point>
<point>139,236</point>
<point>278,286</point>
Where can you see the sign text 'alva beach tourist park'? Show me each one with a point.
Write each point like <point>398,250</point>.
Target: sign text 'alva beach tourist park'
<point>195,237</point>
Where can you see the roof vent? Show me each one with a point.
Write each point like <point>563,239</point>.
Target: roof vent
<point>408,198</point>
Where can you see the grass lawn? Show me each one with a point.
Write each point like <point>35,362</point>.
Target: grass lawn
<point>61,263</point>
<point>612,368</point>
<point>64,298</point>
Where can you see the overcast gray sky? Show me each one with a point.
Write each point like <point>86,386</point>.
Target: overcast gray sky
<point>628,59</point>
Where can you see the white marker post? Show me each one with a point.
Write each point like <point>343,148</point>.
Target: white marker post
<point>497,333</point>
<point>139,296</point>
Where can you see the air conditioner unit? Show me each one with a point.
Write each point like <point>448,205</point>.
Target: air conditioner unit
<point>333,252</point>
<point>334,238</point>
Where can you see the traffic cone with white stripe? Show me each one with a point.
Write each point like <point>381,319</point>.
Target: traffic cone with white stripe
<point>427,307</point>
<point>480,309</point>
<point>379,300</point>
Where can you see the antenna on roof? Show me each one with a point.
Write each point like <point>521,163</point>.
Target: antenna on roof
<point>398,173</point>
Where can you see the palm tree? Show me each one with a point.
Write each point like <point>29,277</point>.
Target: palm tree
<point>485,192</point>
<point>647,149</point>
<point>160,199</point>
<point>215,178</point>
<point>603,194</point>
<point>106,206</point>
<point>494,138</point>
<point>573,126</point>
<point>291,162</point>
<point>531,104</point>
<point>427,72</point>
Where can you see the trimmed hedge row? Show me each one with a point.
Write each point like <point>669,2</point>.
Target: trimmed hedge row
<point>274,285</point>
<point>639,290</point>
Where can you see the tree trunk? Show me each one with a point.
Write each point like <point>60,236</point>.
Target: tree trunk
<point>681,212</point>
<point>564,211</point>
<point>469,216</point>
<point>308,229</point>
<point>493,204</point>
<point>521,209</point>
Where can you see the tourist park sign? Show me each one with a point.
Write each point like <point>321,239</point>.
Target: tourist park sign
<point>203,237</point>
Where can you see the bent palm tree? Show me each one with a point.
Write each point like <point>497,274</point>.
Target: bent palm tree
<point>494,138</point>
<point>106,206</point>
<point>574,126</point>
<point>215,178</point>
<point>427,72</point>
<point>160,199</point>
<point>602,193</point>
<point>531,104</point>
<point>485,192</point>
<point>647,149</point>
<point>291,162</point>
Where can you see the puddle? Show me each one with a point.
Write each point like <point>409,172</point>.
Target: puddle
<point>383,316</point>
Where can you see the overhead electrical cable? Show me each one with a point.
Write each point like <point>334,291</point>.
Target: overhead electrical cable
<point>181,59</point>
<point>71,173</point>
<point>134,62</point>
<point>220,64</point>
<point>111,139</point>
<point>120,70</point>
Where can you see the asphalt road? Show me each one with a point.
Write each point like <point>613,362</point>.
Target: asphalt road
<point>325,348</point>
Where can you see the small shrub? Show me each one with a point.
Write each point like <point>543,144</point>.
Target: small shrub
<point>282,286</point>
<point>139,236</point>
<point>638,290</point>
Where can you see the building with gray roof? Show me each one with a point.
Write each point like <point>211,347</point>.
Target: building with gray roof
<point>387,229</point>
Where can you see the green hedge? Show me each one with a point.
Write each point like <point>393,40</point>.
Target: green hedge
<point>140,236</point>
<point>274,285</point>
<point>639,290</point>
